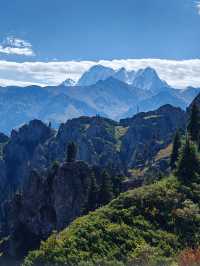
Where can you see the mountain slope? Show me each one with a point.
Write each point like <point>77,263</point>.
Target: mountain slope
<point>60,108</point>
<point>100,141</point>
<point>147,218</point>
<point>115,94</point>
<point>158,100</point>
<point>95,74</point>
<point>189,94</point>
<point>51,200</point>
<point>126,76</point>
<point>21,105</point>
<point>148,80</point>
<point>110,96</point>
<point>150,132</point>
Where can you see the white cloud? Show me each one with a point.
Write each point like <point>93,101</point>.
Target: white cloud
<point>16,46</point>
<point>198,7</point>
<point>178,74</point>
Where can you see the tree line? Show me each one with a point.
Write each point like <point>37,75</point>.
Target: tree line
<point>185,157</point>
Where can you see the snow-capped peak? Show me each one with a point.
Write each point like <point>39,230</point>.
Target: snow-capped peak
<point>123,75</point>
<point>68,83</point>
<point>148,79</point>
<point>95,74</point>
<point>145,79</point>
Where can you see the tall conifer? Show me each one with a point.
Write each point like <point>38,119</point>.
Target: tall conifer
<point>175,150</point>
<point>188,170</point>
<point>194,124</point>
<point>92,203</point>
<point>106,190</point>
<point>71,152</point>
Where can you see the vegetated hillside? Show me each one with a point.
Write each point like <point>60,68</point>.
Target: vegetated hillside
<point>49,201</point>
<point>131,143</point>
<point>52,201</point>
<point>150,132</point>
<point>150,223</point>
<point>104,143</point>
<point>146,226</point>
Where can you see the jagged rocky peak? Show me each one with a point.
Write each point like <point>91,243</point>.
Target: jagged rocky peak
<point>48,203</point>
<point>68,83</point>
<point>148,73</point>
<point>35,131</point>
<point>94,136</point>
<point>168,108</point>
<point>101,73</point>
<point>83,130</point>
<point>148,79</point>
<point>175,113</point>
<point>94,74</point>
<point>145,79</point>
<point>85,124</point>
<point>195,101</point>
<point>20,149</point>
<point>150,132</point>
<point>123,75</point>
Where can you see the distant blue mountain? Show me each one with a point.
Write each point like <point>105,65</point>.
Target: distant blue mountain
<point>156,101</point>
<point>189,94</point>
<point>115,94</point>
<point>110,96</point>
<point>20,105</point>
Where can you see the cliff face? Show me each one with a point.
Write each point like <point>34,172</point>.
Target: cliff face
<point>130,143</point>
<point>47,203</point>
<point>94,136</point>
<point>196,101</point>
<point>150,132</point>
<point>19,151</point>
<point>102,141</point>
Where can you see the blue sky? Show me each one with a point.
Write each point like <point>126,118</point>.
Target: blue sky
<point>96,29</point>
<point>92,30</point>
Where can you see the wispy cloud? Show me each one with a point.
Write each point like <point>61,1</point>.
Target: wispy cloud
<point>198,7</point>
<point>178,74</point>
<point>16,46</point>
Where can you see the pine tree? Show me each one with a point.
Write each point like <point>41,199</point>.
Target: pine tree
<point>92,203</point>
<point>194,124</point>
<point>175,150</point>
<point>71,152</point>
<point>188,170</point>
<point>106,190</point>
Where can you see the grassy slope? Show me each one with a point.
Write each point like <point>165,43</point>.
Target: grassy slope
<point>141,217</point>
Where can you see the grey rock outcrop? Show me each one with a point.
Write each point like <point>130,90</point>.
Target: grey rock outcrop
<point>150,132</point>
<point>19,151</point>
<point>48,203</point>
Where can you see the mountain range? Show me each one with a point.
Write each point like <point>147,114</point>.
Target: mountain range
<point>101,90</point>
<point>42,191</point>
<point>51,200</point>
